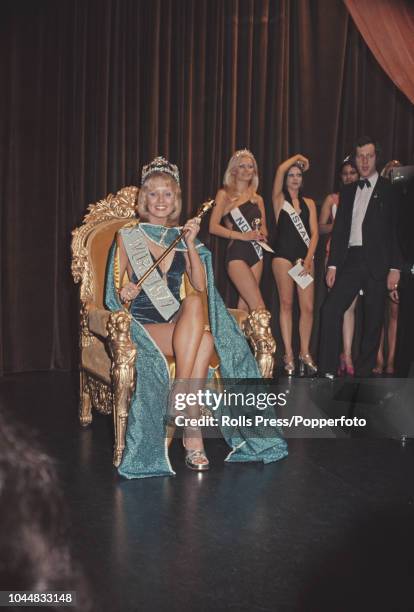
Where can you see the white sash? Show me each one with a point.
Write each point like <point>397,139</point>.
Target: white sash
<point>297,222</point>
<point>244,226</point>
<point>140,259</point>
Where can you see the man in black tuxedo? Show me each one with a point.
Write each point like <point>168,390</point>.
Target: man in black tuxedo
<point>364,254</point>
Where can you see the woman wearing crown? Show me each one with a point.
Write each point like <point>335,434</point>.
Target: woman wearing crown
<point>239,216</point>
<point>168,321</point>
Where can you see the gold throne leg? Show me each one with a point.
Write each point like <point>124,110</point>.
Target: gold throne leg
<point>123,352</point>
<point>85,407</point>
<point>120,422</point>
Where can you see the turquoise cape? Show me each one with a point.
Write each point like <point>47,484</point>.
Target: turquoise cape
<point>146,452</point>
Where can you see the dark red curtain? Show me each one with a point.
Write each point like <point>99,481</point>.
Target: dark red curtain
<point>92,89</point>
<point>390,36</point>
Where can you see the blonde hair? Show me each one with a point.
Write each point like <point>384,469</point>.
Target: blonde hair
<point>142,209</point>
<point>229,180</point>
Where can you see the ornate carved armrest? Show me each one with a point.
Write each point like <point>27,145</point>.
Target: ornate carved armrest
<point>256,327</point>
<point>98,320</point>
<point>123,352</point>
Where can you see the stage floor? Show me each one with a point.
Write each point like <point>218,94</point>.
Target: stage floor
<point>329,528</point>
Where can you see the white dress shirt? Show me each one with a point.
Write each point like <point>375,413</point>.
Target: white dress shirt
<point>362,198</point>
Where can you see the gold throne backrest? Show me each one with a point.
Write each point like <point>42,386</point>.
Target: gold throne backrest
<point>99,243</point>
<point>92,240</point>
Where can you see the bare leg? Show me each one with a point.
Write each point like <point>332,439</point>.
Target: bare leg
<point>246,280</point>
<point>392,335</point>
<point>284,285</point>
<point>182,338</point>
<point>380,355</point>
<point>191,346</point>
<point>257,270</point>
<point>348,329</point>
<point>198,377</point>
<point>205,352</point>
<point>192,436</point>
<point>305,297</point>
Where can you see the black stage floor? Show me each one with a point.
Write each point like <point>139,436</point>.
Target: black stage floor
<point>329,528</point>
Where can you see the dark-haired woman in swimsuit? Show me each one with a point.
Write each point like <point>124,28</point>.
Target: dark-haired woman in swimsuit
<point>289,248</point>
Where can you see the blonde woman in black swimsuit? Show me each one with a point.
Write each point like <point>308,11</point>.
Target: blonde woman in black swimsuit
<point>237,207</point>
<point>289,247</point>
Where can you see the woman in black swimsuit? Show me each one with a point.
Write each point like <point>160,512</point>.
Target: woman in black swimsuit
<point>238,207</point>
<point>290,247</point>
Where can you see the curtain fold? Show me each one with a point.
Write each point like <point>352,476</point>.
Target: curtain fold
<point>387,27</point>
<point>93,89</point>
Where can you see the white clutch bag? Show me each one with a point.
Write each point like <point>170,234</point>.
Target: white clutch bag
<point>302,281</point>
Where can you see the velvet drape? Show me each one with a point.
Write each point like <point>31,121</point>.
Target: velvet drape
<point>92,89</point>
<point>388,29</point>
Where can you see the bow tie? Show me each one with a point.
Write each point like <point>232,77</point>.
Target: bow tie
<point>364,183</point>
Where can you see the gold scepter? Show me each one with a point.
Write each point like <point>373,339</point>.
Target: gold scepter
<point>202,211</point>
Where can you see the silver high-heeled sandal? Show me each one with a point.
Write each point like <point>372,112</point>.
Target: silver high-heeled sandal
<point>193,457</point>
<point>289,366</point>
<point>307,364</point>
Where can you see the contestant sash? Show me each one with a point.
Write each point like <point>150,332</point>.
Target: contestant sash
<point>297,222</point>
<point>140,259</point>
<point>244,226</point>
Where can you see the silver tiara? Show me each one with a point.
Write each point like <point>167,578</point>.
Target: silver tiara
<point>242,152</point>
<point>160,164</point>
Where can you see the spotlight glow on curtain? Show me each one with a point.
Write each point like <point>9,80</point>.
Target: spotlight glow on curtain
<point>387,26</point>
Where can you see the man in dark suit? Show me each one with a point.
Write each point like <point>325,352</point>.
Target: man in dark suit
<point>364,254</point>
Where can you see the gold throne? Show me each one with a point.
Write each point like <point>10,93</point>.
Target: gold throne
<point>107,353</point>
<point>107,379</point>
